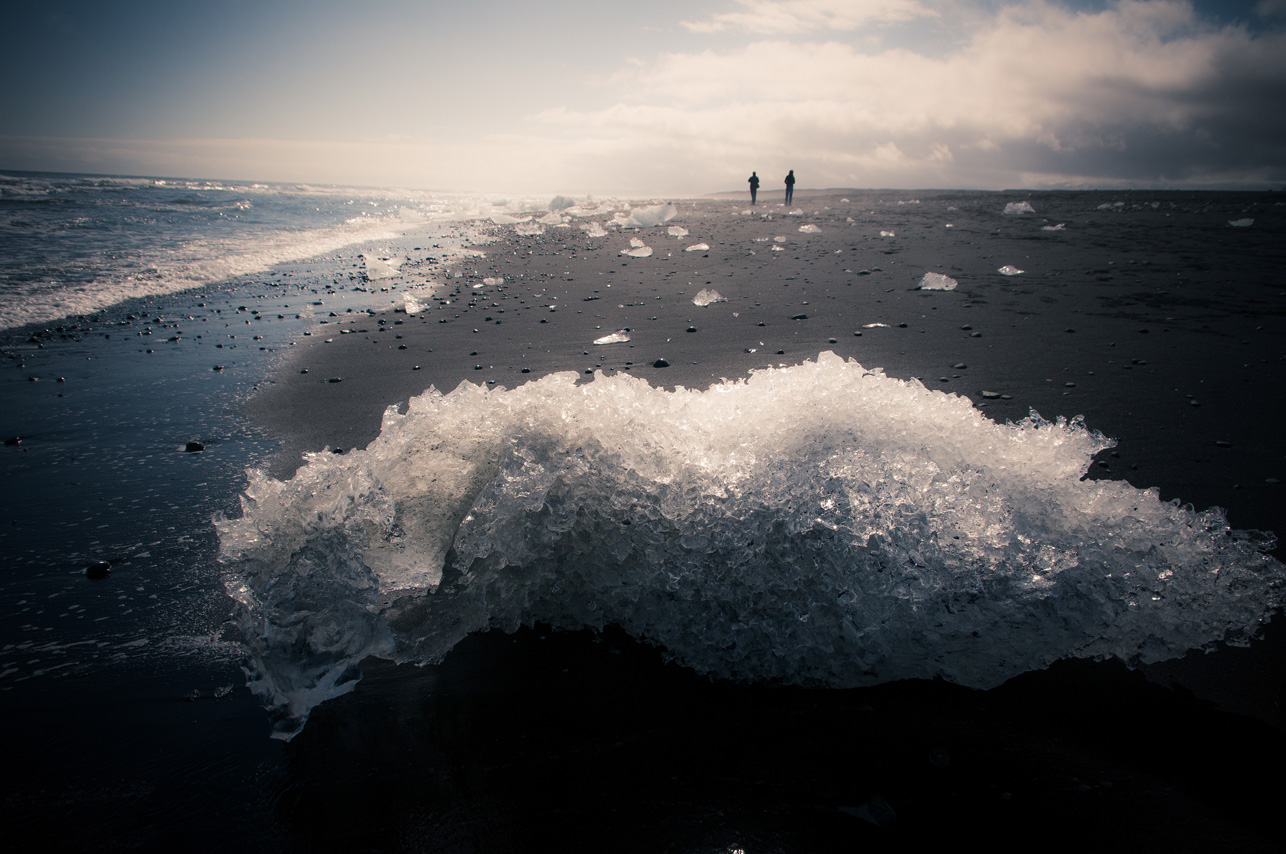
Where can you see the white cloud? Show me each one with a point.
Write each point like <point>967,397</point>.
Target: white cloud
<point>785,17</point>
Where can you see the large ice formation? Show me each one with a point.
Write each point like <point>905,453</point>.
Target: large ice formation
<point>822,525</point>
<point>937,282</point>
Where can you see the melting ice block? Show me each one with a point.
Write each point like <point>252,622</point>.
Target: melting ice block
<point>619,337</point>
<point>1019,208</point>
<point>593,229</point>
<point>708,296</point>
<point>698,247</point>
<point>822,524</point>
<point>379,268</point>
<point>1010,270</point>
<point>677,231</point>
<point>1241,223</point>
<point>809,229</point>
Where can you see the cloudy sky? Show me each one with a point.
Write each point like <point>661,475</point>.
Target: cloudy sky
<point>668,97</point>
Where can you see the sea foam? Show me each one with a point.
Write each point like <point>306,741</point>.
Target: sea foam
<point>822,525</point>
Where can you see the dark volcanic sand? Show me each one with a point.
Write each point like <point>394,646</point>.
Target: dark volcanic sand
<point>1163,326</point>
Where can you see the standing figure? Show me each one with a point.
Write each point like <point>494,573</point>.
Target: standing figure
<point>790,185</point>
<point>754,186</point>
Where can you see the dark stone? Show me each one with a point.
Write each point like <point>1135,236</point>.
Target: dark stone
<point>660,363</point>
<point>799,317</point>
<point>97,570</point>
<point>194,447</point>
<point>13,441</point>
<point>335,380</point>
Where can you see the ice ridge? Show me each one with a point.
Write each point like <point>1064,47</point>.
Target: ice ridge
<point>822,524</point>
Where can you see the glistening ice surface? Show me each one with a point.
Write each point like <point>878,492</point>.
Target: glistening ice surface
<point>821,525</point>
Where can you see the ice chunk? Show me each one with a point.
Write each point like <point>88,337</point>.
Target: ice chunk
<point>506,219</point>
<point>821,524</point>
<point>809,229</point>
<point>647,217</point>
<point>887,234</point>
<point>1110,206</point>
<point>618,337</point>
<point>1019,208</point>
<point>551,218</point>
<point>639,251</point>
<point>1061,226</point>
<point>1241,223</point>
<point>1010,270</point>
<point>636,243</point>
<point>593,229</point>
<point>698,247</point>
<point>561,203</point>
<point>493,281</point>
<point>379,268</point>
<point>795,212</point>
<point>937,282</point>
<point>708,296</point>
<point>677,231</point>
<point>529,229</point>
<point>411,305</point>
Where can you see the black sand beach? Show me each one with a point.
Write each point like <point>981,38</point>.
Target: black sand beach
<point>1146,312</point>
<point>1155,319</point>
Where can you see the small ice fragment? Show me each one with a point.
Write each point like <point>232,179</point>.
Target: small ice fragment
<point>707,296</point>
<point>220,693</point>
<point>677,231</point>
<point>948,225</point>
<point>1241,223</point>
<point>796,212</point>
<point>638,252</point>
<point>379,268</point>
<point>886,234</point>
<point>529,229</point>
<point>593,229</point>
<point>493,281</point>
<point>698,247</point>
<point>875,326</point>
<point>551,218</point>
<point>1019,208</point>
<point>411,305</point>
<point>506,219</point>
<point>1058,227</point>
<point>1009,270</point>
<point>636,243</point>
<point>778,249</point>
<point>810,229</point>
<point>937,282</point>
<point>618,337</point>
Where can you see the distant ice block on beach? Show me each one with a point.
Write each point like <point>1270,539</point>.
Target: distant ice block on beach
<point>621,336</point>
<point>593,229</point>
<point>809,228</point>
<point>647,217</point>
<point>1241,223</point>
<point>698,247</point>
<point>1019,208</point>
<point>1010,270</point>
<point>708,296</point>
<point>677,231</point>
<point>822,525</point>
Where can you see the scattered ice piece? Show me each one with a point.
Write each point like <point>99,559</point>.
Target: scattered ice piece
<point>220,693</point>
<point>796,212</point>
<point>618,337</point>
<point>506,219</point>
<point>379,268</point>
<point>493,281</point>
<point>887,234</point>
<point>1009,270</point>
<point>636,243</point>
<point>844,200</point>
<point>949,225</point>
<point>937,282</point>
<point>1108,206</point>
<point>875,326</point>
<point>909,202</point>
<point>529,229</point>
<point>551,218</point>
<point>698,247</point>
<point>778,248</point>
<point>677,231</point>
<point>708,296</point>
<point>1059,227</point>
<point>1241,223</point>
<point>638,252</point>
<point>1019,208</point>
<point>810,229</point>
<point>411,305</point>
<point>593,229</point>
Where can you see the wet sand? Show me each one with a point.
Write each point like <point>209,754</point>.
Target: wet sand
<point>1162,325</point>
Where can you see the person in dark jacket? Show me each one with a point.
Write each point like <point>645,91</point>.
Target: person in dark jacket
<point>790,185</point>
<point>754,186</point>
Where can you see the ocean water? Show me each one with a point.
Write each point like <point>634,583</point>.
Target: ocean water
<point>136,315</point>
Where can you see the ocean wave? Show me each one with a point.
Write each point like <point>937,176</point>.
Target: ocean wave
<point>821,525</point>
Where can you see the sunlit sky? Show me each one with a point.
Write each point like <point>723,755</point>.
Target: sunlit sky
<point>664,98</point>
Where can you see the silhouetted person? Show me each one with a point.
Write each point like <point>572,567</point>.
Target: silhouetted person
<point>754,186</point>
<point>790,185</point>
